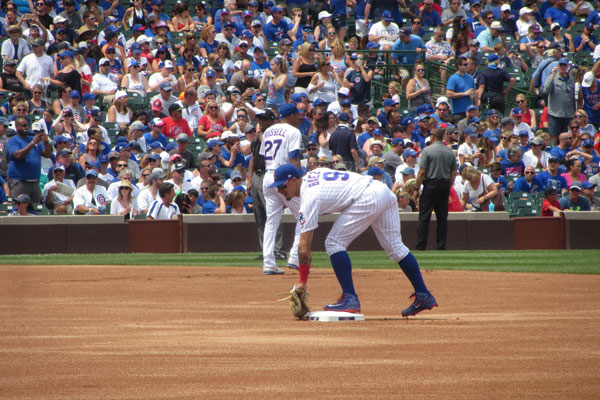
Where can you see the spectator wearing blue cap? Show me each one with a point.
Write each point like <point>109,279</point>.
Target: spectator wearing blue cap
<point>586,41</point>
<point>460,89</point>
<point>560,89</point>
<point>491,91</point>
<point>277,28</point>
<point>384,32</point>
<point>407,42</point>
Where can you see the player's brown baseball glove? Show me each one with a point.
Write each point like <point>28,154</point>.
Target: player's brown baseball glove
<point>298,300</point>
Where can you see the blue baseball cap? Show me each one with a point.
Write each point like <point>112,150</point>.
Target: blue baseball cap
<point>89,96</point>
<point>103,158</point>
<point>276,9</point>
<point>523,133</point>
<point>472,107</point>
<point>318,101</point>
<point>284,174</point>
<point>344,117</point>
<point>268,4</point>
<point>246,34</point>
<point>171,146</point>
<point>136,48</point>
<point>588,185</point>
<point>491,112</point>
<point>378,132</point>
<point>296,97</point>
<point>470,131</point>
<point>425,108</point>
<point>93,163</point>
<point>406,121</point>
<point>157,145</point>
<point>409,153</point>
<point>387,15</point>
<point>154,156</point>
<point>257,95</point>
<point>490,136</point>
<point>389,102</point>
<point>345,102</point>
<point>211,73</point>
<point>396,141</point>
<point>493,57</point>
<point>372,45</point>
<point>61,139</point>
<point>92,172</point>
<point>288,109</point>
<point>122,146</point>
<point>563,60</point>
<point>66,53</point>
<point>588,143</point>
<point>374,170</point>
<point>74,94</point>
<point>213,142</point>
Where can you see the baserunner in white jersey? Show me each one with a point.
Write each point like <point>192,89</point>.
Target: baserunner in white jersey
<point>361,202</point>
<point>280,145</point>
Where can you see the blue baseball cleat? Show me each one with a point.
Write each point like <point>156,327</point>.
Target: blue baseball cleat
<point>292,265</point>
<point>422,301</point>
<point>346,303</point>
<point>273,271</point>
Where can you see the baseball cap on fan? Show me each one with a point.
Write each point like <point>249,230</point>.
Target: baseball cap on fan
<point>284,174</point>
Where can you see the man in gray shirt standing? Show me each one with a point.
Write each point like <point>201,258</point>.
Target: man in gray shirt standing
<point>392,158</point>
<point>436,174</point>
<point>560,88</point>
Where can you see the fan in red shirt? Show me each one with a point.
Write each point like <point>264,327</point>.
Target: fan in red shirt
<point>174,124</point>
<point>550,204</point>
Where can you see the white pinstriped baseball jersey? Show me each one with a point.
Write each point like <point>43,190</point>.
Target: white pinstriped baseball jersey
<point>278,142</point>
<point>325,191</point>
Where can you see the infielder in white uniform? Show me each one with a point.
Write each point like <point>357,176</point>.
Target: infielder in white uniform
<point>280,145</point>
<point>362,202</point>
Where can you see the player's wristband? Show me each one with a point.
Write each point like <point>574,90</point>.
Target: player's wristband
<point>304,269</point>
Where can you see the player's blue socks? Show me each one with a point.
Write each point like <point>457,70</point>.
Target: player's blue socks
<point>342,266</point>
<point>411,269</point>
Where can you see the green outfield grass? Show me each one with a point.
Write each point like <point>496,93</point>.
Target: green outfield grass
<point>555,261</point>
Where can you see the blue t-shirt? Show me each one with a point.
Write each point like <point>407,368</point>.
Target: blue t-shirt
<point>259,69</point>
<point>359,9</point>
<point>338,7</point>
<point>210,48</point>
<point>274,33</point>
<point>209,207</point>
<point>28,168</point>
<point>586,47</point>
<point>3,198</point>
<point>362,138</point>
<point>162,139</point>
<point>559,153</point>
<point>521,185</point>
<point>431,19</point>
<point>564,17</point>
<point>582,204</point>
<point>593,18</point>
<point>181,62</point>
<point>408,58</point>
<point>361,91</point>
<point>239,158</point>
<point>512,169</point>
<point>503,185</point>
<point>546,179</point>
<point>459,84</point>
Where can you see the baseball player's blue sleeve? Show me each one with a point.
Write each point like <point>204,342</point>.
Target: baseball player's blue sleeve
<point>294,154</point>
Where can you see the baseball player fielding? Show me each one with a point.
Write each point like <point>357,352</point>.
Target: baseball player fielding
<point>361,202</point>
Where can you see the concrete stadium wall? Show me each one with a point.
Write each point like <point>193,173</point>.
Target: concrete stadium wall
<point>223,233</point>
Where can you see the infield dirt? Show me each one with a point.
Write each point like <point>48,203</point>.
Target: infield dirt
<point>114,332</point>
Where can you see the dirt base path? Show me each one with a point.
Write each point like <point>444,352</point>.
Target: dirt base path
<point>110,332</point>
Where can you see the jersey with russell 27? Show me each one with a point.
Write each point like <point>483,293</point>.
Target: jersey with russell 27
<point>325,191</point>
<point>280,143</point>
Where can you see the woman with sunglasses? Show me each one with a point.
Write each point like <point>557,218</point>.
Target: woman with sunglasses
<point>68,75</point>
<point>565,40</point>
<point>63,100</point>
<point>162,54</point>
<point>241,124</point>
<point>189,45</point>
<point>329,41</point>
<point>212,123</point>
<point>66,124</point>
<point>325,83</point>
<point>189,78</point>
<point>124,204</point>
<point>418,91</point>
<point>584,126</point>
<point>119,112</point>
<point>304,67</point>
<point>208,44</point>
<point>91,152</point>
<point>36,103</point>
<point>224,57</point>
<point>275,81</point>
<point>134,81</point>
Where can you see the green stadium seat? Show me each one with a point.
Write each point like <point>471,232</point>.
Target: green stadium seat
<point>528,212</point>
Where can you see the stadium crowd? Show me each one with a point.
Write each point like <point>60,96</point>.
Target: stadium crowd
<point>151,109</point>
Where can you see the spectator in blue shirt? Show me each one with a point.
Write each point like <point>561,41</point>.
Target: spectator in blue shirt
<point>586,41</point>
<point>428,15</point>
<point>574,201</point>
<point>460,89</point>
<point>277,29</point>
<point>406,41</point>
<point>552,177</point>
<point>560,14</point>
<point>25,153</point>
<point>528,183</point>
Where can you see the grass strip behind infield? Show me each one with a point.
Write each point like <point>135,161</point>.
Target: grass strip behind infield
<point>547,261</point>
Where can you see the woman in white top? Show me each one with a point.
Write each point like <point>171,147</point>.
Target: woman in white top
<point>235,202</point>
<point>324,83</point>
<point>224,56</point>
<point>124,204</point>
<point>119,112</point>
<point>525,21</point>
<point>536,156</point>
<point>479,189</point>
<point>326,126</point>
<point>467,152</point>
<point>134,81</point>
